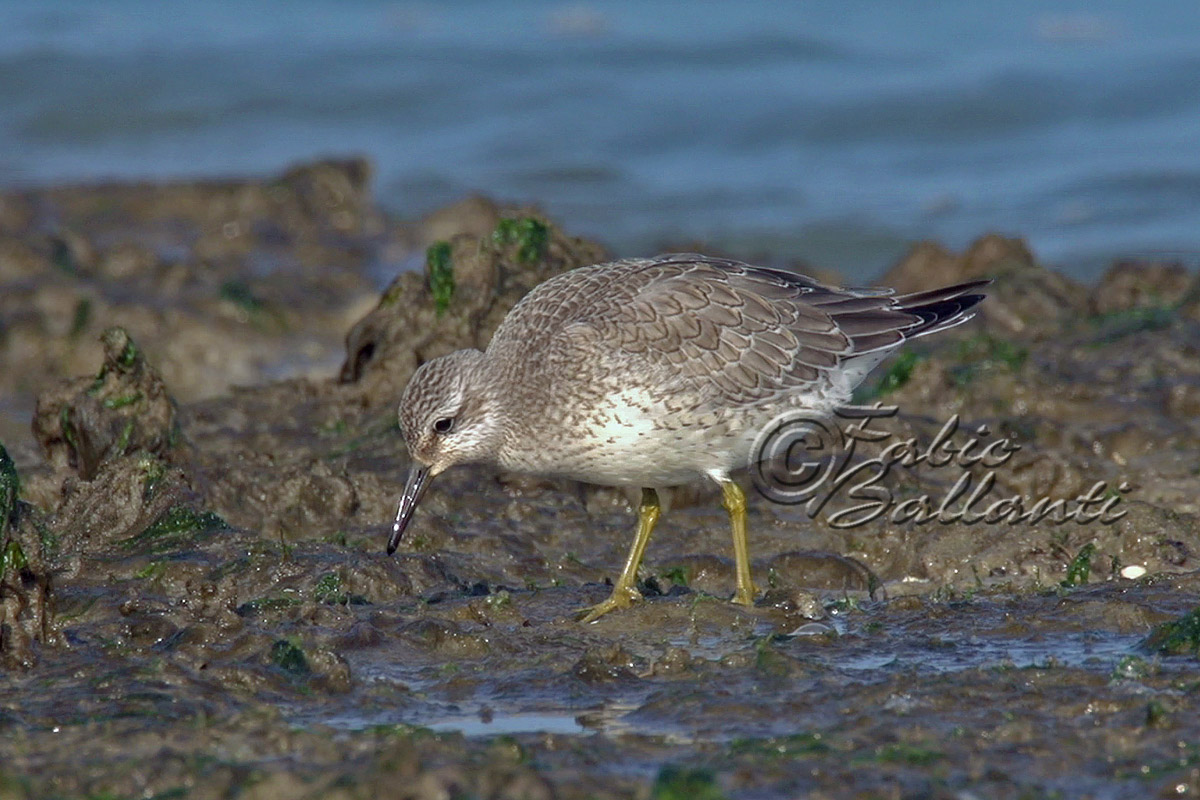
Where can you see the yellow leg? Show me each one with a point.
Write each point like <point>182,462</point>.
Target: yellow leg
<point>625,591</point>
<point>735,503</point>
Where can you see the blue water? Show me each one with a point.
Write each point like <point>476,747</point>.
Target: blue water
<point>834,130</point>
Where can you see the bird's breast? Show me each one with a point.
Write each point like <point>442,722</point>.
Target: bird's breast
<point>631,437</point>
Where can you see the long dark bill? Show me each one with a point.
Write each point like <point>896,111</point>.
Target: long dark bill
<point>418,479</point>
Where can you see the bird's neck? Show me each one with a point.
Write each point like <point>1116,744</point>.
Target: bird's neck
<point>487,395</point>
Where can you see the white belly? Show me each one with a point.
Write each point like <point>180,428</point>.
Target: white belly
<point>631,440</point>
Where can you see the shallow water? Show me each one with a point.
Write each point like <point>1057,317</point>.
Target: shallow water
<point>870,646</point>
<point>837,132</point>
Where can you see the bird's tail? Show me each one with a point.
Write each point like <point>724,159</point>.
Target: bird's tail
<point>940,309</point>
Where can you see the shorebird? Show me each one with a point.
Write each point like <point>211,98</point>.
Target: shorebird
<point>652,373</point>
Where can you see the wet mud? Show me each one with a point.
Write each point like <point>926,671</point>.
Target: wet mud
<point>201,462</point>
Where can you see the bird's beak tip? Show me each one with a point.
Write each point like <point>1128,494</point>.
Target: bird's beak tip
<point>418,480</point>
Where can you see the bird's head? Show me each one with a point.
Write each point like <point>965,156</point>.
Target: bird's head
<point>447,417</point>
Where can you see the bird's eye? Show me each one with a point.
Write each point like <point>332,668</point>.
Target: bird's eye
<point>443,425</point>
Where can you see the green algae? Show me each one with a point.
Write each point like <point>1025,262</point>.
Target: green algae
<point>781,747</point>
<point>62,257</point>
<point>331,591</point>
<point>126,436</point>
<point>126,358</point>
<point>685,783</point>
<point>440,266</point>
<point>677,575</point>
<point>289,658</point>
<point>130,355</point>
<point>1118,325</point>
<point>1176,637</point>
<point>531,237</point>
<point>81,317</point>
<point>984,353</point>
<point>900,753</point>
<point>153,471</point>
<point>328,588</point>
<point>1131,667</point>
<point>152,571</point>
<point>240,294</point>
<point>176,528</point>
<point>10,490</point>
<point>1080,567</point>
<point>12,559</point>
<point>122,401</point>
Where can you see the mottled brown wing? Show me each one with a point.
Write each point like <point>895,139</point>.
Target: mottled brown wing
<point>723,329</point>
<point>715,329</point>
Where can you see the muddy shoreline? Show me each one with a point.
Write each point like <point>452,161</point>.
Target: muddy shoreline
<point>197,394</point>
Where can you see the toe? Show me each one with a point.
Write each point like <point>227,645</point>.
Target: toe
<point>620,598</point>
<point>745,596</point>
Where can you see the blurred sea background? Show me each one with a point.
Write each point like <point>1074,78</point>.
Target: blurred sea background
<point>832,131</point>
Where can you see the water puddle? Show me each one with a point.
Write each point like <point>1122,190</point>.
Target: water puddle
<point>1099,651</point>
<point>492,724</point>
<point>481,698</point>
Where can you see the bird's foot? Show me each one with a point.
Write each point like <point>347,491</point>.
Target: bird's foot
<point>621,597</point>
<point>744,596</point>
